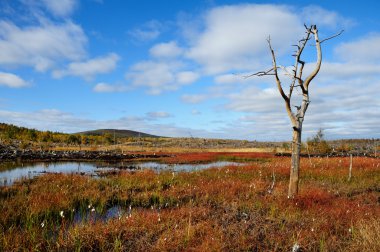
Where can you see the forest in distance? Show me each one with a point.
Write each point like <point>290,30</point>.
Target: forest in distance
<point>22,138</point>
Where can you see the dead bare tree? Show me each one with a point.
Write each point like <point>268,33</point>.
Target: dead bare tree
<point>299,82</point>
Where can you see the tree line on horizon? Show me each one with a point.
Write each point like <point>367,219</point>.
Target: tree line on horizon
<point>25,137</point>
<point>10,133</point>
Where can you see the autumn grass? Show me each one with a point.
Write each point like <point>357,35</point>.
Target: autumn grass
<point>206,157</point>
<point>219,209</point>
<point>168,149</point>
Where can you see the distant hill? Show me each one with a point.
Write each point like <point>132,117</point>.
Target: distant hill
<point>118,133</point>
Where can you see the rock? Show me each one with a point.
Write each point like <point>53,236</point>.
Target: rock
<point>11,153</point>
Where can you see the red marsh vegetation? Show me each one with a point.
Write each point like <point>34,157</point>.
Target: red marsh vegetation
<point>204,157</point>
<point>234,208</point>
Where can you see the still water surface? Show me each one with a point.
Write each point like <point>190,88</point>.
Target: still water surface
<point>13,171</point>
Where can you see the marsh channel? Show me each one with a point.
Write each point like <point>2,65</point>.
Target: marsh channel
<point>12,171</point>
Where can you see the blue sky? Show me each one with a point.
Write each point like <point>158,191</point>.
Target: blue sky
<point>174,68</point>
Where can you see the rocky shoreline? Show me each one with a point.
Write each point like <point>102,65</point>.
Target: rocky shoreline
<point>10,153</point>
<point>32,155</point>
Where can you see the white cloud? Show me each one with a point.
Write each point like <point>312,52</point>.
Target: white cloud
<point>160,76</point>
<point>228,78</point>
<point>147,32</point>
<point>348,70</point>
<point>344,107</point>
<point>195,112</point>
<point>42,46</point>
<point>343,94</point>
<point>158,115</point>
<point>234,37</point>
<point>187,77</point>
<point>195,98</point>
<point>361,50</point>
<point>166,50</point>
<point>88,69</point>
<point>157,76</point>
<point>237,78</point>
<point>108,88</point>
<point>40,8</point>
<point>60,8</point>
<point>56,120</point>
<point>47,119</point>
<point>314,14</point>
<point>253,99</point>
<point>275,127</point>
<point>344,102</point>
<point>12,80</point>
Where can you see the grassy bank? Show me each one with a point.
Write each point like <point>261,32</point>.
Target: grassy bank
<point>228,209</point>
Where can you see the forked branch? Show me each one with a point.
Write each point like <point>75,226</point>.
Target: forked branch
<point>313,29</point>
<point>260,73</point>
<point>333,36</point>
<point>298,73</point>
<point>274,64</point>
<point>298,80</point>
<point>279,86</point>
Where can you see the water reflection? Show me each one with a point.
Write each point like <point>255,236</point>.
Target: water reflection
<point>9,173</point>
<point>13,171</point>
<point>182,167</point>
<point>90,215</point>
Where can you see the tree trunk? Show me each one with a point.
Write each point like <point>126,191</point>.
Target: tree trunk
<point>295,167</point>
<point>298,81</point>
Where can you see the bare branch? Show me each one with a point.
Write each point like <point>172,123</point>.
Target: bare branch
<point>279,86</point>
<point>299,77</point>
<point>336,35</point>
<point>260,73</point>
<point>286,71</point>
<point>276,73</point>
<point>301,45</point>
<point>296,117</point>
<point>307,81</point>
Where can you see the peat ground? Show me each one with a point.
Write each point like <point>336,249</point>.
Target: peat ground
<point>240,208</point>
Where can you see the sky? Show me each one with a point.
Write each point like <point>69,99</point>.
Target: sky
<point>176,68</point>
